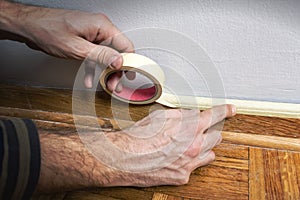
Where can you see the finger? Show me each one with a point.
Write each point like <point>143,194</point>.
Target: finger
<point>113,83</point>
<point>122,43</point>
<point>204,142</point>
<point>195,148</point>
<point>202,161</point>
<point>111,36</point>
<point>105,56</point>
<point>89,73</point>
<point>101,55</point>
<point>210,139</point>
<point>118,40</point>
<point>109,57</point>
<point>130,75</point>
<point>182,114</point>
<point>215,115</point>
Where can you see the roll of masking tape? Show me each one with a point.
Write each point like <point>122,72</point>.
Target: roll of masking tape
<point>140,65</point>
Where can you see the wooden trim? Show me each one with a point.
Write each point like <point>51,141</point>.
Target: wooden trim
<point>265,141</point>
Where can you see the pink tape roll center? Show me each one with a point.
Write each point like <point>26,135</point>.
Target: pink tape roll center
<point>139,94</point>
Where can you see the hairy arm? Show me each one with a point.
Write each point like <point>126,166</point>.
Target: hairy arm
<point>66,164</point>
<point>12,16</point>
<point>66,33</point>
<point>183,141</point>
<point>8,19</point>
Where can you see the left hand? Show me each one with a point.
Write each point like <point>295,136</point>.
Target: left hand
<point>66,34</point>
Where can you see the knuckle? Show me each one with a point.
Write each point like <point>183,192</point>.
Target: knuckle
<point>184,180</point>
<point>74,49</point>
<point>105,56</point>
<point>130,47</point>
<point>219,140</point>
<point>212,156</point>
<point>102,16</point>
<point>101,56</point>
<point>155,112</point>
<point>205,118</point>
<point>193,151</point>
<point>79,51</point>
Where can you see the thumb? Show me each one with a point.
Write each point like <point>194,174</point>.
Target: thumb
<point>107,57</point>
<point>104,57</point>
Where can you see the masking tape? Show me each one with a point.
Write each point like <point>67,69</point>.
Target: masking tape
<point>150,69</point>
<point>142,65</point>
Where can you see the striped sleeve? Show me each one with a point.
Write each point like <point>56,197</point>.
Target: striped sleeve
<point>19,158</point>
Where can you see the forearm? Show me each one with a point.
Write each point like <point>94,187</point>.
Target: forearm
<point>10,14</point>
<point>15,21</point>
<point>66,164</point>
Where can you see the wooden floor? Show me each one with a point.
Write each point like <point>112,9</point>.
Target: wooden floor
<point>259,157</point>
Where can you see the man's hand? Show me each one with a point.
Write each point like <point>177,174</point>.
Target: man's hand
<point>65,34</point>
<point>67,164</point>
<point>168,144</point>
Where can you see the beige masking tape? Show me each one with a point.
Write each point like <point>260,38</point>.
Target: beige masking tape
<point>142,65</point>
<point>150,69</point>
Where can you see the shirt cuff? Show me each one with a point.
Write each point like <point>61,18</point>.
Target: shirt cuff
<point>20,158</point>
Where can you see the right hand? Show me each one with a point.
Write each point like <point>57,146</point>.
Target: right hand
<point>191,133</point>
<point>67,163</point>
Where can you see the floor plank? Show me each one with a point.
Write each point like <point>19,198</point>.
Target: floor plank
<point>124,193</point>
<point>255,160</point>
<point>225,178</point>
<point>274,174</point>
<point>160,196</point>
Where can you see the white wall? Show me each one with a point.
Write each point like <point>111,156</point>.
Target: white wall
<point>255,44</point>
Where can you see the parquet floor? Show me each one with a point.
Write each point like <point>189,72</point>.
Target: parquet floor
<point>259,157</point>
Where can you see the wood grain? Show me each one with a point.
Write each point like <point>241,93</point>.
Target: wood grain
<point>65,122</point>
<point>110,194</point>
<point>258,158</point>
<point>274,174</point>
<point>60,101</point>
<point>160,196</point>
<point>264,141</point>
<point>256,171</point>
<point>260,125</point>
<point>225,178</point>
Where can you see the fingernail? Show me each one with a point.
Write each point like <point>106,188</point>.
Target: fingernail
<point>130,75</point>
<point>233,110</point>
<point>119,88</point>
<point>116,62</point>
<point>89,85</point>
<point>88,82</point>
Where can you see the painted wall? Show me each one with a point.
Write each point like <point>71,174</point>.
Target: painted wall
<point>254,44</point>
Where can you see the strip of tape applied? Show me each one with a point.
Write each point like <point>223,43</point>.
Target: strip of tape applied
<point>155,93</point>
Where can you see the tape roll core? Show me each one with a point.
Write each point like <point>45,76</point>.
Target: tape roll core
<point>144,66</point>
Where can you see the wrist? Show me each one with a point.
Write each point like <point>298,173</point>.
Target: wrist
<point>13,17</point>
<point>67,165</point>
<point>8,16</point>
